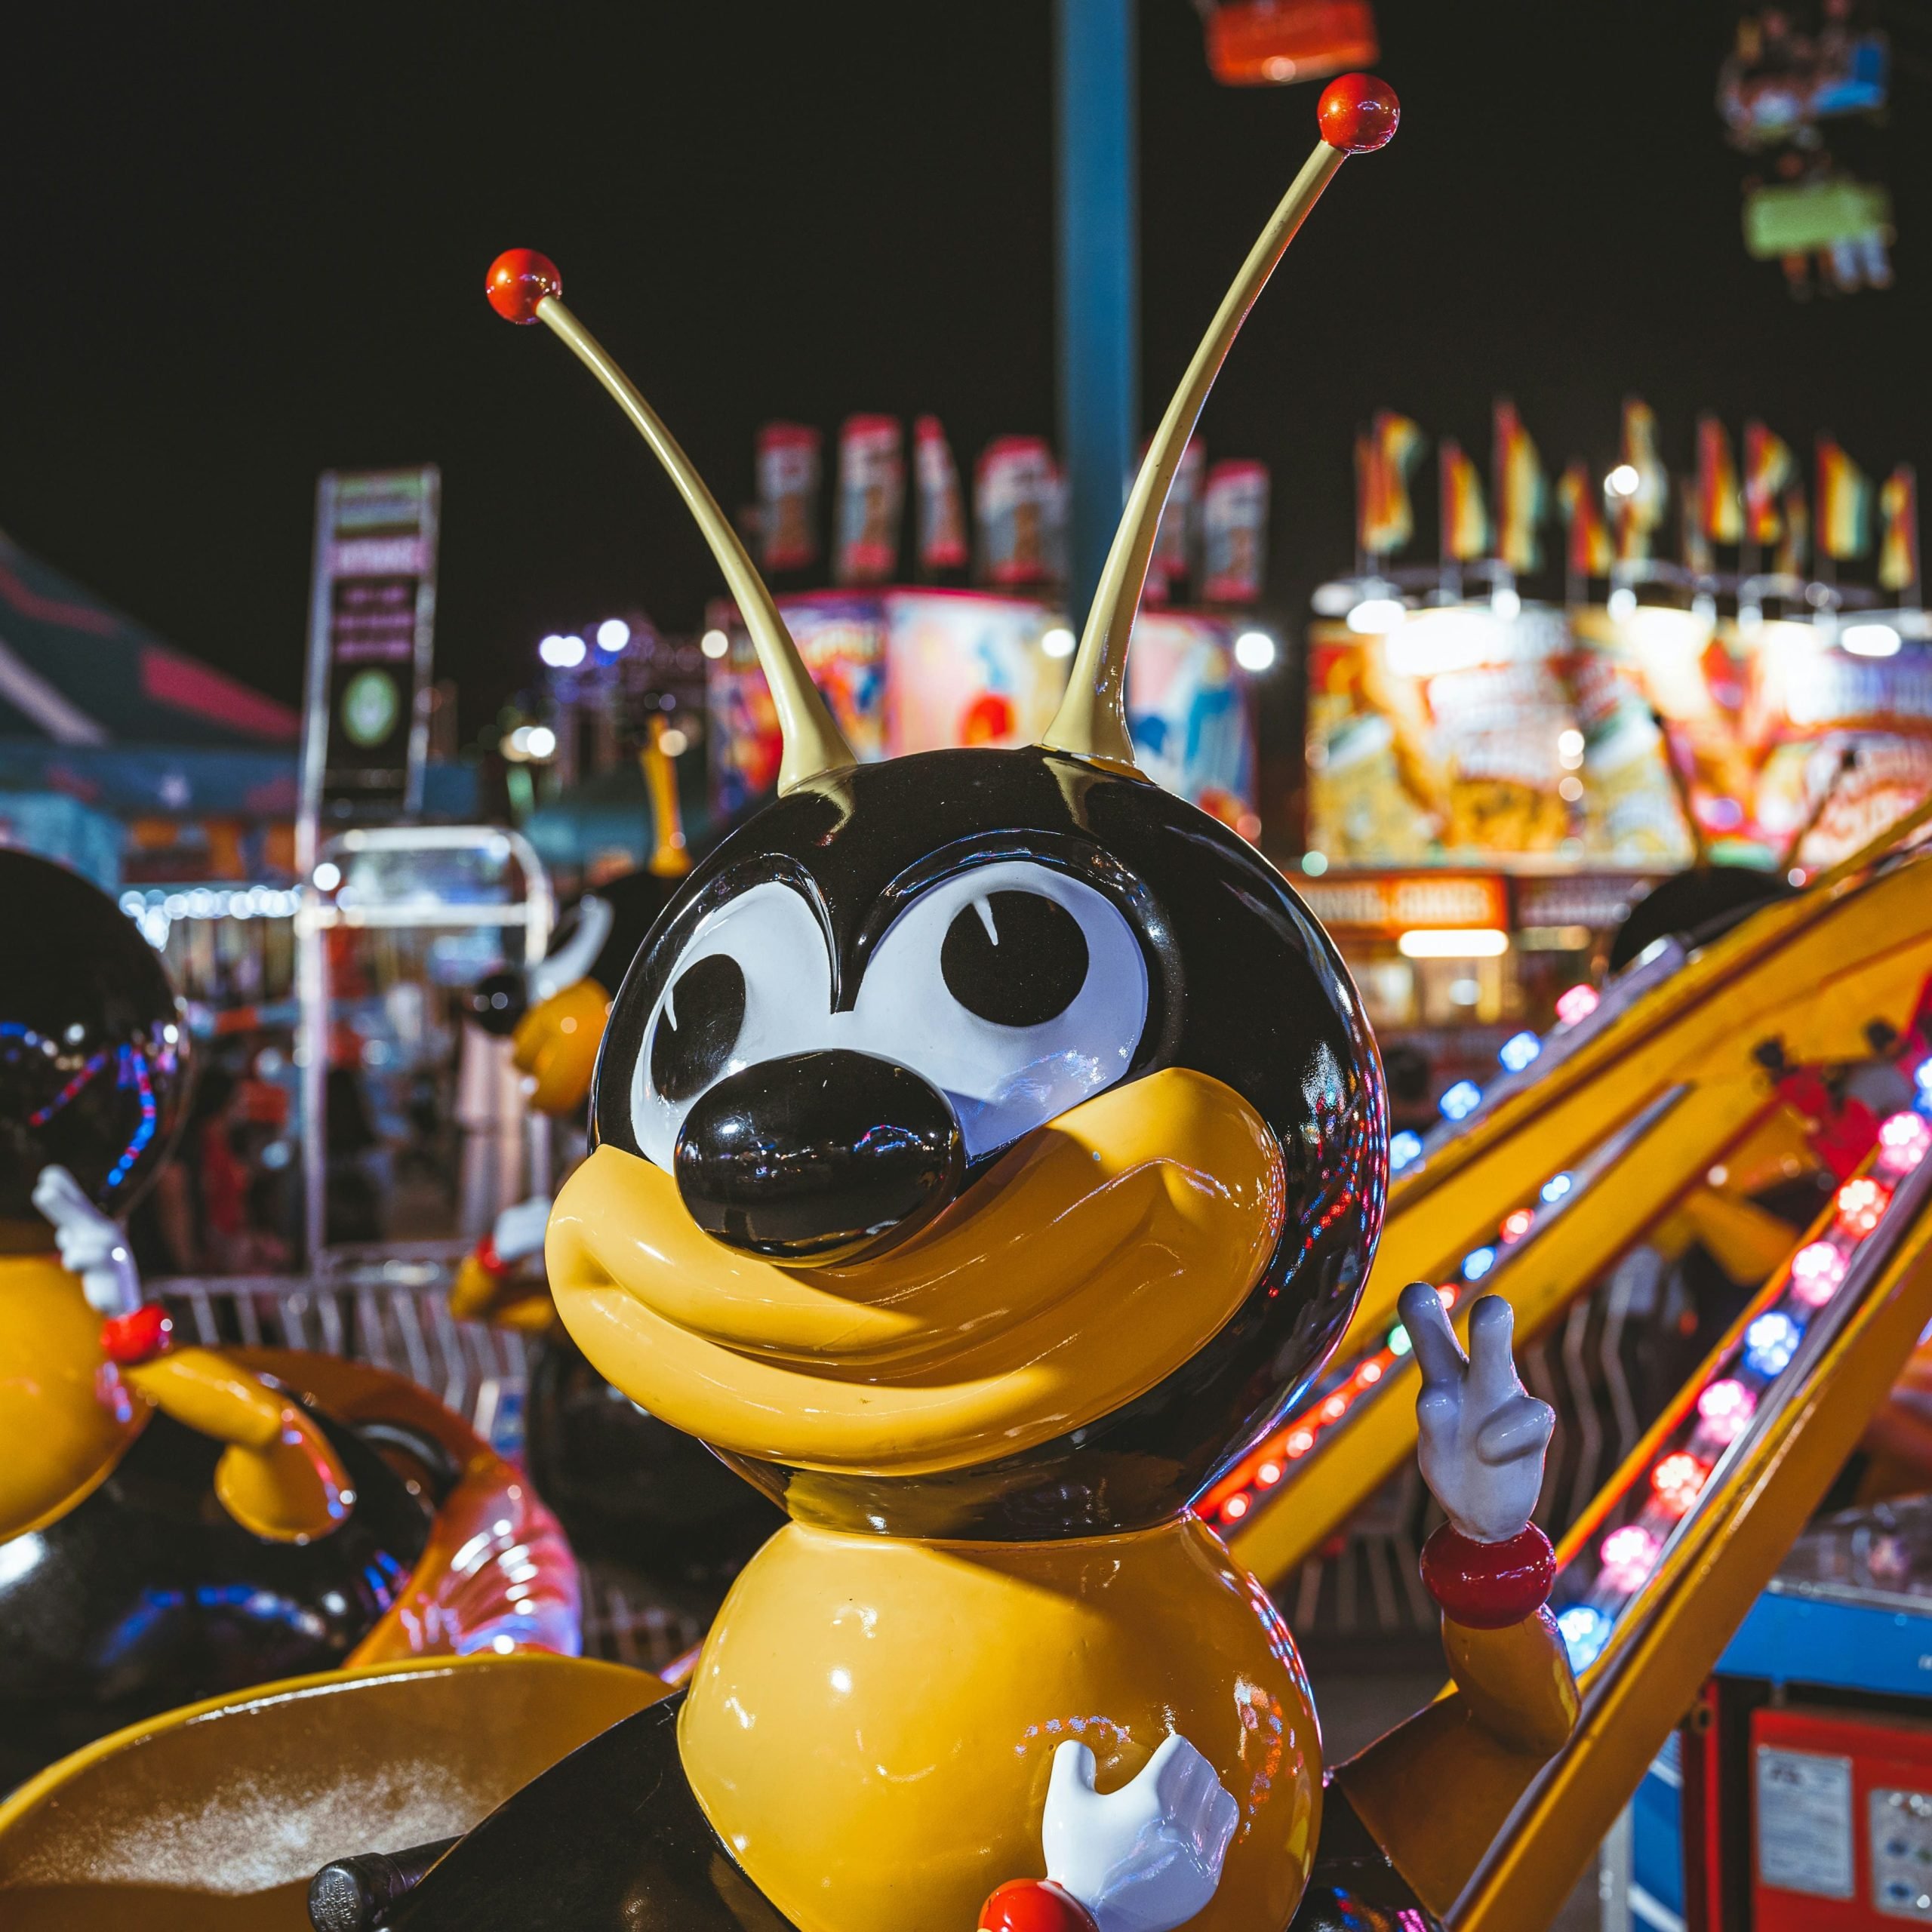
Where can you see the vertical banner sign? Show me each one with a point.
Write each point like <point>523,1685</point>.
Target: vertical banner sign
<point>371,624</point>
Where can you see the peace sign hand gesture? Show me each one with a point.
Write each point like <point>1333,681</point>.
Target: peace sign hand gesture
<point>1481,1435</point>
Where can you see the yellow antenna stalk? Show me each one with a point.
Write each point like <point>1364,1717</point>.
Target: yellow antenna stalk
<point>1357,114</point>
<point>525,286</point>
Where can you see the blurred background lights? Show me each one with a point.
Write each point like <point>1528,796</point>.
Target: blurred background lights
<point>1870,640</point>
<point>1404,1148</point>
<point>1903,1142</point>
<point>1554,1189</point>
<point>1057,642</point>
<point>1816,1272</point>
<point>1254,651</point>
<point>561,653</point>
<point>1622,480</point>
<point>1861,1202</point>
<point>1585,1630</point>
<point>1376,614</point>
<point>1628,1555</point>
<point>1517,1052</point>
<point>1478,1262</point>
<point>1769,1342</point>
<point>714,643</point>
<point>1621,604</point>
<point>1724,1407</point>
<point>612,634</point>
<point>1677,1479</point>
<point>1461,1100</point>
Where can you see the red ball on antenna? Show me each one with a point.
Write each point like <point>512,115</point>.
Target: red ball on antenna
<point>518,279</point>
<point>1358,113</point>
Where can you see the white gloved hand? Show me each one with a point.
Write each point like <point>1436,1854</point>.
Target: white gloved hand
<point>1480,1435</point>
<point>91,1244</point>
<point>1145,1858</point>
<point>519,1229</point>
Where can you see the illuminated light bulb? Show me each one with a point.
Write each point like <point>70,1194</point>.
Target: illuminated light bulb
<point>1452,942</point>
<point>1516,1226</point>
<point>612,634</point>
<point>1769,1342</point>
<point>1405,1148</point>
<point>1399,1344</point>
<point>1299,1442</point>
<point>1621,603</point>
<point>1518,1050</point>
<point>1371,1373</point>
<point>561,653</point>
<point>1447,1293</point>
<point>1506,603</point>
<point>1903,1141</point>
<point>1677,1479</point>
<point>1270,1473</point>
<point>1570,748</point>
<point>1628,1555</point>
<point>673,743</point>
<point>1816,1270</point>
<point>1478,1263</point>
<point>1376,614</point>
<point>1724,1407</point>
<point>1577,1004</point>
<point>1254,651</point>
<point>328,876</point>
<point>1057,642</point>
<point>1585,1630</point>
<point>1334,1408</point>
<point>1622,480</point>
<point>1461,1100</point>
<point>1870,640</point>
<point>1861,1204</point>
<point>1921,1078</point>
<point>1554,1189</point>
<point>541,743</point>
<point>1234,1508</point>
<point>714,643</point>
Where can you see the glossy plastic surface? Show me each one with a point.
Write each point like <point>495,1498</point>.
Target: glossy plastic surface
<point>1358,113</point>
<point>1488,1586</point>
<point>93,1051</point>
<point>1272,1085</point>
<point>928,1689</point>
<point>518,280</point>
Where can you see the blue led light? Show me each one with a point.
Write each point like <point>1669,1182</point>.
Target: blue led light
<point>1556,1188</point>
<point>1769,1342</point>
<point>1585,1630</point>
<point>1461,1100</point>
<point>1922,1079</point>
<point>1475,1265</point>
<point>1516,1052</point>
<point>1404,1148</point>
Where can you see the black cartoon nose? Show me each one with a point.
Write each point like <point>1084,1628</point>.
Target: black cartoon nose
<point>821,1157</point>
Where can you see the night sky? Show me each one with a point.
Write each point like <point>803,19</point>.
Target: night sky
<point>244,250</point>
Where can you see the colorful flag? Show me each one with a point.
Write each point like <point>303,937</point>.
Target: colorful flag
<point>1388,517</point>
<point>1898,550</point>
<point>1793,548</point>
<point>1717,484</point>
<point>1844,504</point>
<point>1590,551</point>
<point>1520,501</point>
<point>1693,523</point>
<point>1464,520</point>
<point>1639,512</point>
<point>1768,467</point>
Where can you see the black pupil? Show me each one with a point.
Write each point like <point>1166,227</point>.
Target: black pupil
<point>689,1052</point>
<point>1028,970</point>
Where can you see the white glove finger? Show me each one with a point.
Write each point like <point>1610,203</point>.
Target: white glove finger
<point>1438,1354</point>
<point>1218,1828</point>
<point>1183,1777</point>
<point>1492,1365</point>
<point>1072,1783</point>
<point>58,1195</point>
<point>1522,1427</point>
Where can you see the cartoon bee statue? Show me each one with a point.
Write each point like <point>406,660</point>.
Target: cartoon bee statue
<point>990,1147</point>
<point>176,1520</point>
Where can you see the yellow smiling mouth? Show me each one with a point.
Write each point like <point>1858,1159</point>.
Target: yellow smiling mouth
<point>1097,1256</point>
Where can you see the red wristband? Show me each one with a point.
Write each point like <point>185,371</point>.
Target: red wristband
<point>1034,1904</point>
<point>137,1337</point>
<point>1488,1586</point>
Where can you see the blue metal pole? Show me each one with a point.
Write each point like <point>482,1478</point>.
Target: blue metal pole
<point>1099,276</point>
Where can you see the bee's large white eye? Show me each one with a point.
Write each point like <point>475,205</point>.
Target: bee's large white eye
<point>1015,989</point>
<point>753,984</point>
